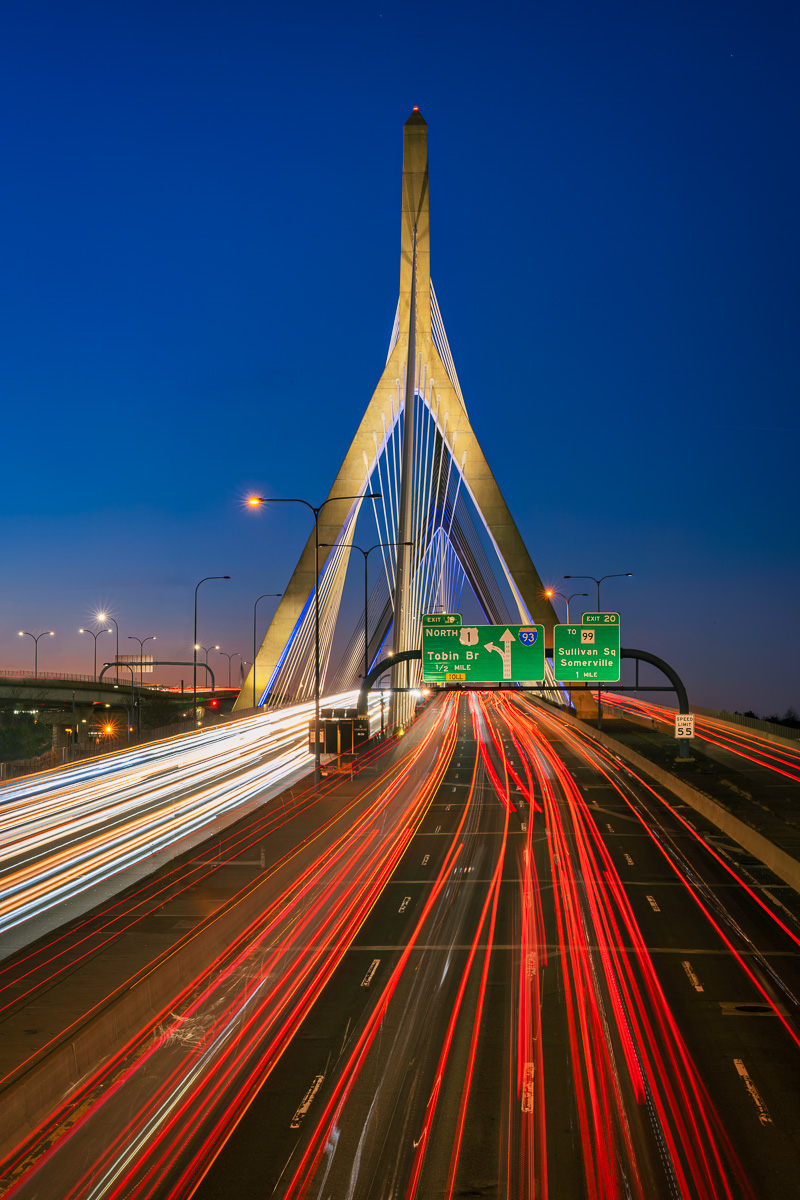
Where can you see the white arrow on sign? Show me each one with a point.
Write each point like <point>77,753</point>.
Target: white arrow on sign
<point>506,638</point>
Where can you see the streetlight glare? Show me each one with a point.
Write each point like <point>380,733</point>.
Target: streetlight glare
<point>254,501</point>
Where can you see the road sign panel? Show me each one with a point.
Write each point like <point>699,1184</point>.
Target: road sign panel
<point>684,725</point>
<point>584,654</point>
<point>483,653</point>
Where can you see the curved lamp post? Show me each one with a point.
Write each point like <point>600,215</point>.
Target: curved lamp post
<point>266,596</point>
<point>133,638</point>
<point>255,502</point>
<point>102,618</point>
<point>95,636</point>
<point>196,647</point>
<point>366,553</point>
<point>618,575</point>
<point>549,592</point>
<point>36,636</point>
<point>229,657</point>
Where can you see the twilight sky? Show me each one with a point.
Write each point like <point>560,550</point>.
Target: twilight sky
<point>200,215</point>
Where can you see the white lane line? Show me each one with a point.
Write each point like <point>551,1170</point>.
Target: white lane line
<point>373,966</point>
<point>426,860</point>
<point>405,904</point>
<point>527,1088</point>
<point>693,980</point>
<point>763,1111</point>
<point>629,860</point>
<point>653,904</point>
<point>608,827</point>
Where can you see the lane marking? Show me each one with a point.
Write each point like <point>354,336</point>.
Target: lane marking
<point>447,809</point>
<point>608,827</point>
<point>693,980</point>
<point>405,904</point>
<point>530,965</point>
<point>373,966</point>
<point>306,1103</point>
<point>438,829</point>
<point>629,860</point>
<point>426,860</point>
<point>653,904</point>
<point>763,1111</point>
<point>527,1088</point>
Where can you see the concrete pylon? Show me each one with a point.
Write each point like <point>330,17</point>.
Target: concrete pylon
<point>350,480</point>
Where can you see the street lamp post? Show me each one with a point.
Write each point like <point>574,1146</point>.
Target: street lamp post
<point>566,599</point>
<point>196,647</point>
<point>141,641</point>
<point>618,575</point>
<point>36,636</point>
<point>366,554</point>
<point>266,596</point>
<point>101,617</point>
<point>95,636</point>
<point>229,657</point>
<point>254,502</point>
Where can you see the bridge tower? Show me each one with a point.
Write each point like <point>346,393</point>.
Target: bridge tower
<point>419,380</point>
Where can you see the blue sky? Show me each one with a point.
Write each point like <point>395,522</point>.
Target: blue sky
<point>200,221</point>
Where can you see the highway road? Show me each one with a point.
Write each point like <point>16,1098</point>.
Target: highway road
<point>511,968</point>
<point>72,837</point>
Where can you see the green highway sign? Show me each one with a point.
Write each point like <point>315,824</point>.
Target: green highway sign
<point>588,653</point>
<point>482,653</point>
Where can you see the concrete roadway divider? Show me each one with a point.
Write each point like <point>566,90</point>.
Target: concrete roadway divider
<point>777,860</point>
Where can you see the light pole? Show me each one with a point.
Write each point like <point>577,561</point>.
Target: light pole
<point>141,641</point>
<point>36,636</point>
<point>196,647</point>
<point>549,592</point>
<point>229,657</point>
<point>254,502</point>
<point>266,596</point>
<point>618,575</point>
<point>366,554</point>
<point>101,617</point>
<point>95,636</point>
<point>206,650</point>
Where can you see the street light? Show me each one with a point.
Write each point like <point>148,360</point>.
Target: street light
<point>101,617</point>
<point>254,502</point>
<point>95,636</point>
<point>141,641</point>
<point>266,596</point>
<point>36,636</point>
<point>229,657</point>
<point>618,575</point>
<point>196,647</point>
<point>366,554</point>
<point>549,592</point>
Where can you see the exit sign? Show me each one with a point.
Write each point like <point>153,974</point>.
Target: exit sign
<point>589,652</point>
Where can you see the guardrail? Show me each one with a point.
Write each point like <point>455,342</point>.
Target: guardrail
<point>26,675</point>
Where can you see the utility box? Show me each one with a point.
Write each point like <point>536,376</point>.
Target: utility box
<point>339,735</point>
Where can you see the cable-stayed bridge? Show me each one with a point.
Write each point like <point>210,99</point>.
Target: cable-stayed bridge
<point>445,532</point>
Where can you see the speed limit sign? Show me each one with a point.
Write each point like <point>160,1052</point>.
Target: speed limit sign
<point>684,725</point>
